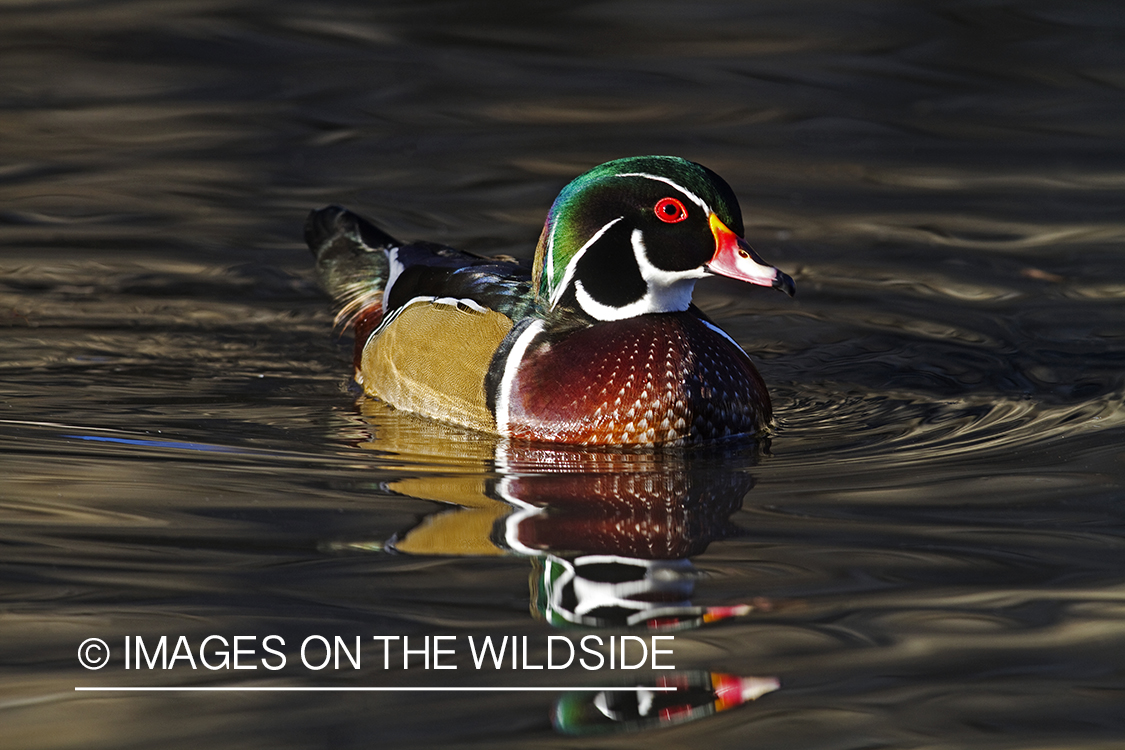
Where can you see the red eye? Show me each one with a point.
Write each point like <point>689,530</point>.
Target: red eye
<point>670,210</point>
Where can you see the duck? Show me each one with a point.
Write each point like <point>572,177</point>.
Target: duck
<point>595,342</point>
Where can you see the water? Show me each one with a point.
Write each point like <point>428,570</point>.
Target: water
<point>927,553</point>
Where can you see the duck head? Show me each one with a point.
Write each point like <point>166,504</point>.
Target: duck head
<point>632,236</point>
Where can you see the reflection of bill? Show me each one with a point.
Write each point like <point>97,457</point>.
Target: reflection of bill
<point>698,694</point>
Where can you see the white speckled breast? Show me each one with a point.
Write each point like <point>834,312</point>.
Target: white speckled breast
<point>655,379</point>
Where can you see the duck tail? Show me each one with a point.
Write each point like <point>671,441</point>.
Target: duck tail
<point>351,263</point>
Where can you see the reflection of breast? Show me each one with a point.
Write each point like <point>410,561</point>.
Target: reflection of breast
<point>570,501</point>
<point>658,515</point>
<point>609,531</point>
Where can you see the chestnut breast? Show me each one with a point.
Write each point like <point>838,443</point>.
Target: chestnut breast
<point>667,378</point>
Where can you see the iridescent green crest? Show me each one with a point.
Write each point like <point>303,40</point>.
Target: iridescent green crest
<point>594,200</point>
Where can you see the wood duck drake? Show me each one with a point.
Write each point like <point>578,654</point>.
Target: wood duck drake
<point>597,343</point>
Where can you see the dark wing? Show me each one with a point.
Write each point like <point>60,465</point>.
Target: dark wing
<point>356,260</point>
<point>351,260</point>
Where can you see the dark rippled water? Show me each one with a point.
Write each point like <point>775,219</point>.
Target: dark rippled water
<point>928,553</point>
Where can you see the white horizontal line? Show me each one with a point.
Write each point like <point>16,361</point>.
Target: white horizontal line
<point>285,689</point>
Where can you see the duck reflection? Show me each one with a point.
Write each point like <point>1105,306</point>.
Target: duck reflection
<point>599,591</point>
<point>697,694</point>
<point>609,534</point>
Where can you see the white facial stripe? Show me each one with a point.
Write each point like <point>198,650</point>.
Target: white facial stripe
<point>605,312</point>
<point>687,193</point>
<point>549,261</point>
<point>668,291</point>
<point>557,292</point>
<point>681,293</point>
<point>511,365</point>
<point>658,276</point>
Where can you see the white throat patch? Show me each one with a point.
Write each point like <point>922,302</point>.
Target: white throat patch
<point>668,291</point>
